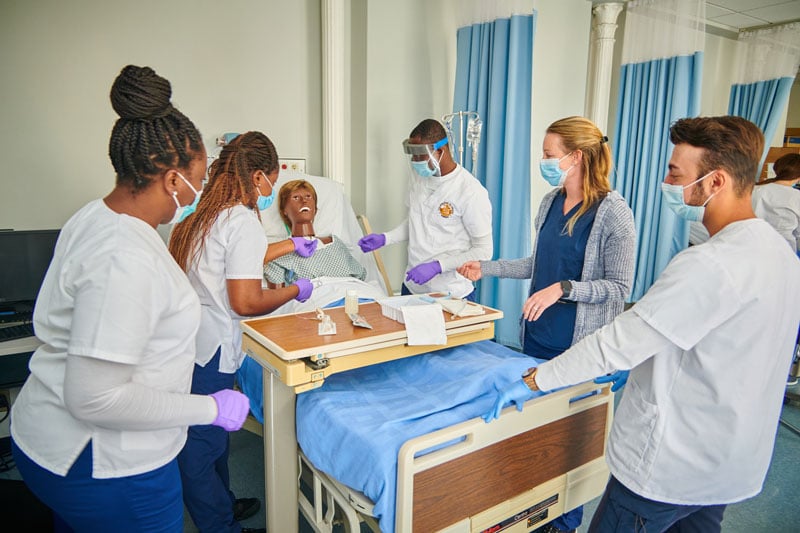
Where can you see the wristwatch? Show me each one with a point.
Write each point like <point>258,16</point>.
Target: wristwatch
<point>529,379</point>
<point>566,289</point>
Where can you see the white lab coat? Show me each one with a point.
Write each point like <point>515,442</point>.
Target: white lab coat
<point>709,346</point>
<point>112,293</point>
<point>234,249</point>
<point>780,206</point>
<point>445,224</point>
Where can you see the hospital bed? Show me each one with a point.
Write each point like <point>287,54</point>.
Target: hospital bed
<point>514,474</point>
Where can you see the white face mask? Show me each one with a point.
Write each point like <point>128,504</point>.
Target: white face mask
<point>673,196</point>
<point>183,211</point>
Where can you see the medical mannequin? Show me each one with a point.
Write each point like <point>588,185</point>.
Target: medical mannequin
<point>449,217</point>
<point>581,268</point>
<point>100,420</point>
<point>222,248</point>
<point>778,202</point>
<point>297,203</point>
<point>696,426</point>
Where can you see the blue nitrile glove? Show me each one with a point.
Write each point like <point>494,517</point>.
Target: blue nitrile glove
<point>425,272</point>
<point>517,393</point>
<point>304,287</point>
<point>618,378</point>
<point>304,247</point>
<point>232,409</point>
<point>371,242</point>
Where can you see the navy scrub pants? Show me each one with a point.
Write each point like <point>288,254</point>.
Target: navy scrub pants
<point>622,510</point>
<point>143,502</point>
<point>204,461</point>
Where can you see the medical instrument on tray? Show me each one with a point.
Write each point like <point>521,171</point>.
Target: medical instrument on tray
<point>359,320</point>
<point>326,324</point>
<point>472,134</point>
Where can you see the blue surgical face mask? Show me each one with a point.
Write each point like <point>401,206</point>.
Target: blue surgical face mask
<point>181,212</point>
<point>423,169</point>
<point>552,172</point>
<point>673,196</point>
<point>264,202</point>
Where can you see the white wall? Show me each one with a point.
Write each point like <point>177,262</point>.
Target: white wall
<point>234,66</point>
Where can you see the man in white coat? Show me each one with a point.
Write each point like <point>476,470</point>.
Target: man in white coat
<point>449,217</point>
<point>708,346</point>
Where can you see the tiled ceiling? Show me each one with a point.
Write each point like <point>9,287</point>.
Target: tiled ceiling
<point>741,14</point>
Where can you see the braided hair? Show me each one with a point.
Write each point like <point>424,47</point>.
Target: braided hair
<point>230,182</point>
<point>150,135</point>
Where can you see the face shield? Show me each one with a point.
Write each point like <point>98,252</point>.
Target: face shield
<point>423,160</point>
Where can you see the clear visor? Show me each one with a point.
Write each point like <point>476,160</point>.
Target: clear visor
<point>423,159</point>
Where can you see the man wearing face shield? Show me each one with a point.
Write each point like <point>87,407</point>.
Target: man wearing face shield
<point>449,217</point>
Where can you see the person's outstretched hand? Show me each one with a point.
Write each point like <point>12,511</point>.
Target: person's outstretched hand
<point>618,378</point>
<point>471,270</point>
<point>517,393</point>
<point>304,247</point>
<point>232,409</point>
<point>371,242</point>
<point>304,288</point>
<point>425,272</point>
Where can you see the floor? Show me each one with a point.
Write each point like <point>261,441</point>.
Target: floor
<point>777,508</point>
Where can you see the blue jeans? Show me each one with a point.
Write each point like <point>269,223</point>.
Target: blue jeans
<point>144,502</point>
<point>622,511</point>
<point>204,461</point>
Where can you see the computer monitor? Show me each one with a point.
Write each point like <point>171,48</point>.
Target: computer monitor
<point>24,258</point>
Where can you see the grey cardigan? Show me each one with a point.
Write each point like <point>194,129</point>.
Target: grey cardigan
<point>608,265</point>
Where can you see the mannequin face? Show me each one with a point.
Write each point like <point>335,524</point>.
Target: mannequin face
<point>300,208</point>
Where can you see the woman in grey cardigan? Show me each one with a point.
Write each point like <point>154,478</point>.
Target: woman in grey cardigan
<point>581,269</point>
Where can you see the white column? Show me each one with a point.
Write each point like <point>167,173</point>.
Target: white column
<point>333,89</point>
<point>604,24</point>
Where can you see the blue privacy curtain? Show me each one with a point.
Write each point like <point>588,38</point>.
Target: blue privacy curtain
<point>767,62</point>
<point>493,77</point>
<point>662,58</point>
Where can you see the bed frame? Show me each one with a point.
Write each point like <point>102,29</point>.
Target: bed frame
<point>516,473</point>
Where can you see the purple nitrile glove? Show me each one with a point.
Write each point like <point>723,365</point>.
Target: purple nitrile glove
<point>232,409</point>
<point>425,272</point>
<point>305,287</point>
<point>304,247</point>
<point>618,378</point>
<point>517,393</point>
<point>371,242</point>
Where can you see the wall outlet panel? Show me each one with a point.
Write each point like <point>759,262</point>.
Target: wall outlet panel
<point>298,165</point>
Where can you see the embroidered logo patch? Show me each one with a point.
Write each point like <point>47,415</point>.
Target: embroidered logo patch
<point>445,209</point>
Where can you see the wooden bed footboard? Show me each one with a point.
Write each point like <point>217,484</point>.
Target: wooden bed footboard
<point>501,463</point>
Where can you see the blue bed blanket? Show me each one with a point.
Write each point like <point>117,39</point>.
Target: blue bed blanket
<point>352,427</point>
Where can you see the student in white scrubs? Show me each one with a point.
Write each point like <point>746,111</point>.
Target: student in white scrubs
<point>777,200</point>
<point>709,348</point>
<point>222,247</point>
<point>449,217</point>
<point>101,419</point>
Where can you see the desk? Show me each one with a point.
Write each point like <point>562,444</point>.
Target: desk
<point>295,359</point>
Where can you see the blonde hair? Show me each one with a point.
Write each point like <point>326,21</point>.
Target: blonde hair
<point>579,133</point>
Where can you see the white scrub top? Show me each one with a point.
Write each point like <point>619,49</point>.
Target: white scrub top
<point>112,292</point>
<point>780,206</point>
<point>234,249</point>
<point>443,224</point>
<point>710,346</point>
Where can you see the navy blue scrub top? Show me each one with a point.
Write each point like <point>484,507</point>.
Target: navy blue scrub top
<point>559,256</point>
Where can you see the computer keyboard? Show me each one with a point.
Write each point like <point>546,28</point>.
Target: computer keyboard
<point>19,331</point>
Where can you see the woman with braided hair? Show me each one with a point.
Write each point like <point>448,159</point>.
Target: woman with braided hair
<point>223,247</point>
<point>103,415</point>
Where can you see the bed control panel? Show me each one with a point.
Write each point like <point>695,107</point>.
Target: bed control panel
<point>531,517</point>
